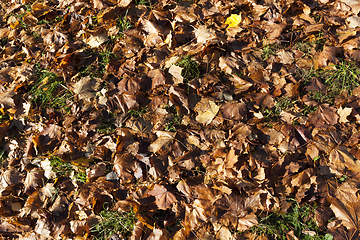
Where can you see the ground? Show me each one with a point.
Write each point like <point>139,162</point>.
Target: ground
<point>179,119</point>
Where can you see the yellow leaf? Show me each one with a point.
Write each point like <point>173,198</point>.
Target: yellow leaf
<point>234,20</point>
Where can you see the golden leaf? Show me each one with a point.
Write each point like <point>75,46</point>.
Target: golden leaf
<point>234,20</point>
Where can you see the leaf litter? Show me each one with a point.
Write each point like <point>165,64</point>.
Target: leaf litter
<point>179,119</point>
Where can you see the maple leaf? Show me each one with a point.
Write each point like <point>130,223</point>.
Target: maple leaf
<point>164,198</point>
<point>344,113</point>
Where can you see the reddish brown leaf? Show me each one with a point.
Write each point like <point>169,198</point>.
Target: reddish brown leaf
<point>164,198</point>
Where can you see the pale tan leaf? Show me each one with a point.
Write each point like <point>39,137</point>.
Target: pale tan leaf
<point>247,222</point>
<point>163,139</point>
<point>224,233</point>
<point>353,21</point>
<point>175,71</point>
<point>344,113</point>
<point>204,35</point>
<point>96,39</point>
<point>231,159</point>
<point>286,57</point>
<point>206,110</point>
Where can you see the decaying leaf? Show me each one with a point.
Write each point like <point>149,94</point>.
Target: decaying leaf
<point>164,138</point>
<point>96,39</point>
<point>164,198</point>
<point>343,114</point>
<point>206,110</point>
<point>204,35</point>
<point>250,108</point>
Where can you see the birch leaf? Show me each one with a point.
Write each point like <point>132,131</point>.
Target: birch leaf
<point>234,20</point>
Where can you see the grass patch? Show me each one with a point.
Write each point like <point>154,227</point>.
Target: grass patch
<point>123,22</point>
<point>191,69</point>
<point>107,126</point>
<point>300,220</point>
<point>175,118</point>
<point>104,58</point>
<point>268,50</point>
<point>62,168</point>
<point>283,104</point>
<point>50,91</point>
<point>344,77</point>
<point>304,47</point>
<point>113,222</point>
<point>138,113</point>
<point>80,176</point>
<point>321,97</point>
<point>314,43</point>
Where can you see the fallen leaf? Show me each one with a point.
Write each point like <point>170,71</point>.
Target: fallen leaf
<point>206,110</point>
<point>175,71</point>
<point>204,35</point>
<point>164,198</point>
<point>96,39</point>
<point>234,111</point>
<point>328,56</point>
<point>353,21</point>
<point>234,20</point>
<point>343,114</point>
<point>164,138</point>
<point>286,57</point>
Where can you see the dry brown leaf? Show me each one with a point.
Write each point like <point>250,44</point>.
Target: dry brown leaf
<point>124,166</point>
<point>265,99</point>
<point>85,88</point>
<point>231,159</point>
<point>34,179</point>
<point>346,211</point>
<point>341,158</point>
<point>157,77</point>
<point>324,115</point>
<point>234,111</point>
<point>240,84</point>
<point>316,85</point>
<point>328,56</point>
<point>164,198</point>
<point>229,64</point>
<point>6,99</point>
